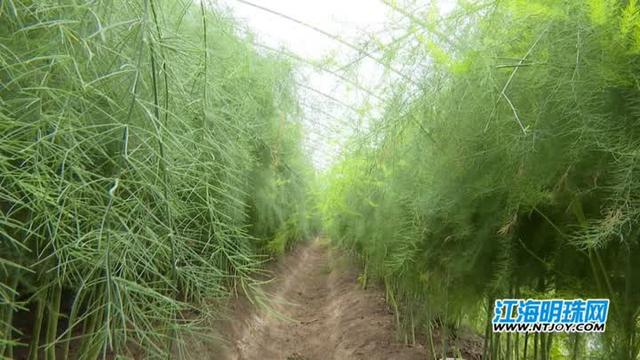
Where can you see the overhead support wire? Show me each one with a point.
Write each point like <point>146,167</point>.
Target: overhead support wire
<point>330,97</point>
<point>327,114</point>
<point>321,68</point>
<point>316,126</point>
<point>331,130</point>
<point>418,21</point>
<point>331,36</point>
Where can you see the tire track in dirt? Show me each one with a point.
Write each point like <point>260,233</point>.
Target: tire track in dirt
<point>319,312</point>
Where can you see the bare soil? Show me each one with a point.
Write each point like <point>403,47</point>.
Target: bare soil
<point>318,312</point>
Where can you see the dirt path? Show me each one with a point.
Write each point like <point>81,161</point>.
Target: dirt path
<point>322,314</point>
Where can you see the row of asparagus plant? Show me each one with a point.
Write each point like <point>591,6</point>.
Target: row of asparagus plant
<point>149,156</point>
<point>508,169</point>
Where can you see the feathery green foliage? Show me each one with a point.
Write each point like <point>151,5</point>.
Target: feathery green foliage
<point>148,155</point>
<point>511,172</point>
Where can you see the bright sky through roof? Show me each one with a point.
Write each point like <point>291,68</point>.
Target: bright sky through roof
<point>334,16</point>
<point>328,120</point>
